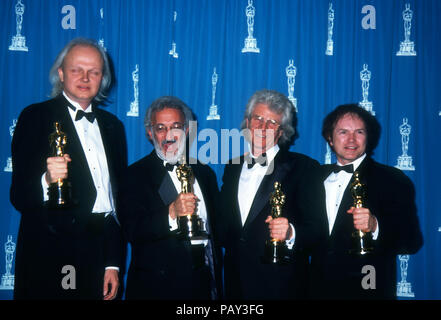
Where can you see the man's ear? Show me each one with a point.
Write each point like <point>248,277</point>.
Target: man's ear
<point>149,134</point>
<point>279,134</point>
<point>61,74</point>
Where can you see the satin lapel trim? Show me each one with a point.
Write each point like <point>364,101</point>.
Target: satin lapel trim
<point>234,187</point>
<point>161,179</point>
<point>342,215</point>
<point>266,187</point>
<point>347,201</point>
<point>167,190</point>
<point>204,189</point>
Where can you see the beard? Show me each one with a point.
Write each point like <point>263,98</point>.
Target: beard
<point>171,157</point>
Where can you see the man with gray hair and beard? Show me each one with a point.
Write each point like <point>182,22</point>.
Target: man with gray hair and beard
<point>74,252</point>
<point>246,224</point>
<point>164,265</point>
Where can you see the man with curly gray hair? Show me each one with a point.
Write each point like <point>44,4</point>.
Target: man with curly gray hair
<point>279,104</point>
<point>269,125</point>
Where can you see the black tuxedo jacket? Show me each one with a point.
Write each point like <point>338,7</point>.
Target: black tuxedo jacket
<point>246,276</point>
<point>49,239</point>
<point>162,265</point>
<point>391,199</point>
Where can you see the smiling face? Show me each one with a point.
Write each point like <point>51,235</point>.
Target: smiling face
<point>168,135</point>
<point>349,138</point>
<point>81,74</point>
<point>264,126</point>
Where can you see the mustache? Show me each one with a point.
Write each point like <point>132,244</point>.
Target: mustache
<point>168,141</point>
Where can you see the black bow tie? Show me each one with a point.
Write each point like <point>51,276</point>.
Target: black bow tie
<point>170,166</point>
<point>89,115</point>
<point>260,160</point>
<point>349,168</point>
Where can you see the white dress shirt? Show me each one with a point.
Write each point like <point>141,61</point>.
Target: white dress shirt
<point>201,209</point>
<point>92,144</point>
<point>335,186</point>
<point>249,182</point>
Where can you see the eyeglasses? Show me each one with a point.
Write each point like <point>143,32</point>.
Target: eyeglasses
<point>161,128</point>
<point>259,122</point>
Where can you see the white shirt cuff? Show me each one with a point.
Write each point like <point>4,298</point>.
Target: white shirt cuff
<point>112,268</point>
<point>173,223</point>
<point>375,234</point>
<point>45,187</point>
<point>290,241</point>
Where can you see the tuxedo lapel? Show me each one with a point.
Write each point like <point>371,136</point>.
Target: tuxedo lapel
<point>161,179</point>
<point>232,185</point>
<point>167,190</point>
<point>325,171</point>
<point>343,219</point>
<point>281,167</point>
<point>205,189</point>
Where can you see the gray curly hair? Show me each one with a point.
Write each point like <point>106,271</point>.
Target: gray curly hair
<point>278,103</point>
<point>167,102</point>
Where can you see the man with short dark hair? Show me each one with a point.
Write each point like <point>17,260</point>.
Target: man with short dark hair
<point>74,252</point>
<point>387,218</point>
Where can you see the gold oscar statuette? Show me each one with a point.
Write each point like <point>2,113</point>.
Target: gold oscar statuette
<point>276,250</point>
<point>59,192</point>
<point>361,241</point>
<point>190,226</point>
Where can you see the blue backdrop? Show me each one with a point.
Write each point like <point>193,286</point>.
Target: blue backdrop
<point>214,54</point>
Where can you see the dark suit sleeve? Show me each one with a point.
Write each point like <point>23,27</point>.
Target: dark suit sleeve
<point>208,181</point>
<point>142,214</point>
<point>396,212</point>
<point>225,204</point>
<point>115,253</point>
<point>115,246</point>
<point>121,155</point>
<point>307,221</point>
<point>29,149</point>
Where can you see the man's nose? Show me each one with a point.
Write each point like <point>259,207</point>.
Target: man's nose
<point>85,76</point>
<point>169,135</point>
<point>352,136</point>
<point>172,133</point>
<point>265,125</point>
